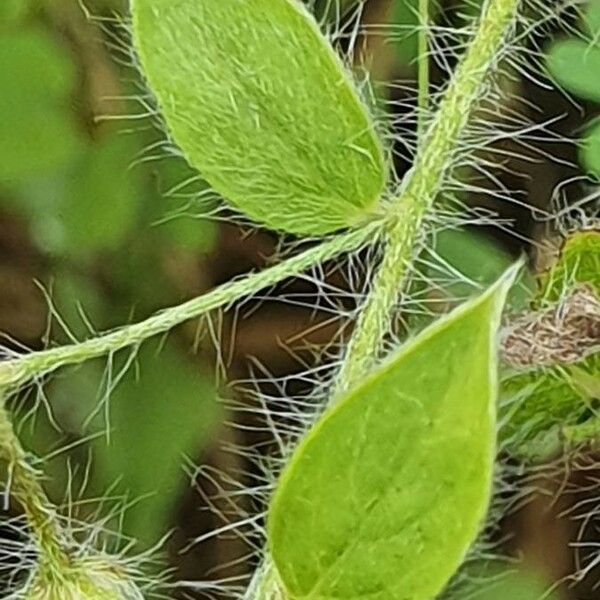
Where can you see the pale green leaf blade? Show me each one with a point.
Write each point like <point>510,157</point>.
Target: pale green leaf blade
<point>260,104</point>
<point>387,493</point>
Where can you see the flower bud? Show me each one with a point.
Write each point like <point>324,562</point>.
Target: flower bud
<point>90,578</point>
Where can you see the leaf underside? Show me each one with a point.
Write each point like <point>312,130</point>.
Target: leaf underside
<point>256,98</point>
<point>386,494</point>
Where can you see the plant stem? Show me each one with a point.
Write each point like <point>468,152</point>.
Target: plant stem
<point>20,370</point>
<point>265,584</point>
<point>401,227</point>
<point>40,512</point>
<point>409,210</point>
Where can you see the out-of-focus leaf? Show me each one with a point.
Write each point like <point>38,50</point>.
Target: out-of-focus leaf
<point>479,260</point>
<point>329,11</point>
<point>537,406</point>
<point>571,62</point>
<point>101,198</point>
<point>406,20</point>
<point>477,257</point>
<point>12,11</point>
<point>590,150</point>
<point>385,495</point>
<point>79,302</point>
<point>183,209</point>
<point>155,420</point>
<point>592,21</point>
<point>51,433</point>
<point>406,28</point>
<point>88,206</point>
<point>262,106</point>
<point>497,583</point>
<point>38,141</point>
<point>187,230</point>
<point>37,133</point>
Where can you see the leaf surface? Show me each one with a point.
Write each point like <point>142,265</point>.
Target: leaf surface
<point>37,135</point>
<point>157,421</point>
<point>388,491</point>
<point>571,63</point>
<point>578,263</point>
<point>260,104</point>
<point>590,150</point>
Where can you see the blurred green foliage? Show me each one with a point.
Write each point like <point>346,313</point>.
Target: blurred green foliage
<point>94,208</point>
<point>12,11</point>
<point>497,582</point>
<point>406,21</point>
<point>575,64</point>
<point>148,454</point>
<point>480,260</point>
<point>37,133</point>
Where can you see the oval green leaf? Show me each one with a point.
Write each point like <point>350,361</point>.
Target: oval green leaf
<point>388,491</point>
<point>261,105</point>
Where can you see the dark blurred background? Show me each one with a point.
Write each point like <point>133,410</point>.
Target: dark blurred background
<point>99,227</point>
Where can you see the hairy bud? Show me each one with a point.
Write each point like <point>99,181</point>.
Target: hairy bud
<point>88,579</point>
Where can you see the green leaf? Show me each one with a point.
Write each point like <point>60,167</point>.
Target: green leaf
<point>406,18</point>
<point>496,582</point>
<point>182,217</point>
<point>187,231</point>
<point>100,203</point>
<point>328,11</point>
<point>388,491</point>
<point>592,21</point>
<point>263,107</point>
<point>406,21</point>
<point>590,150</point>
<point>37,132</point>
<point>481,260</point>
<point>537,406</point>
<point>571,62</point>
<point>12,11</point>
<point>578,263</point>
<point>156,419</point>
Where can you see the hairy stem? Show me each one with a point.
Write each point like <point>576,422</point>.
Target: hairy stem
<point>403,225</point>
<point>25,487</point>
<point>265,583</point>
<point>407,213</point>
<point>20,370</point>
